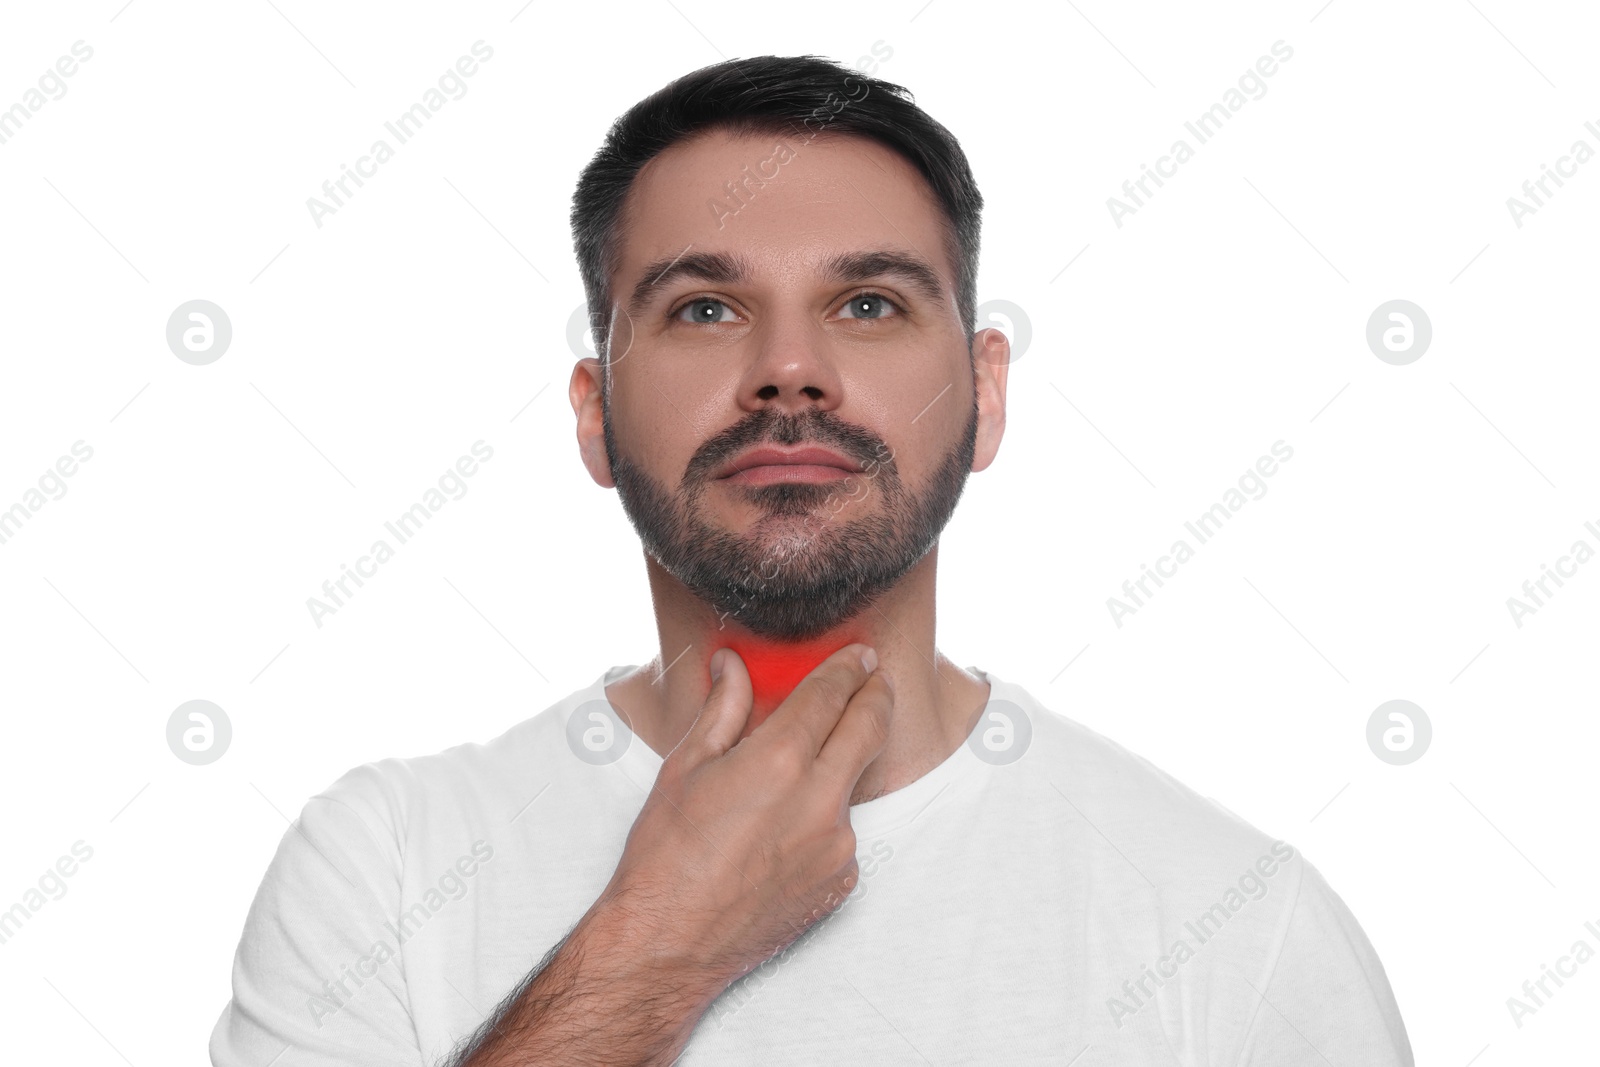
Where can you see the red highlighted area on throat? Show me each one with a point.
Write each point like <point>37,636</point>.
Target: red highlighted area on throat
<point>776,668</point>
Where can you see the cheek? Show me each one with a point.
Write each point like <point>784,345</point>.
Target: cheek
<point>910,399</point>
<point>921,448</point>
<point>680,403</point>
<point>918,431</point>
<point>655,427</point>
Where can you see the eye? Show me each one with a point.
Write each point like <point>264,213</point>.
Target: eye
<point>869,306</point>
<point>704,310</point>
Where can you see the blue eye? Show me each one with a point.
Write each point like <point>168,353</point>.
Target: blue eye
<point>869,306</point>
<point>703,310</point>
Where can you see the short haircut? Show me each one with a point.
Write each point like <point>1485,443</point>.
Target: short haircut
<point>793,95</point>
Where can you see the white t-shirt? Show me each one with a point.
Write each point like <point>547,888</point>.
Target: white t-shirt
<point>1041,896</point>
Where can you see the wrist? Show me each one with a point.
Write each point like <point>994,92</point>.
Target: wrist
<point>623,938</point>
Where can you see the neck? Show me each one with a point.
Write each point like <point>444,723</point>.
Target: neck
<point>777,667</point>
<point>936,702</point>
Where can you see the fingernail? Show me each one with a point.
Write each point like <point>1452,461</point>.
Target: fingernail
<point>869,660</point>
<point>716,664</point>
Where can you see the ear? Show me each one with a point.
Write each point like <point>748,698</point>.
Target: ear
<point>991,359</point>
<point>585,392</point>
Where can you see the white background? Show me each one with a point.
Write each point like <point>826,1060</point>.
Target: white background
<point>431,311</point>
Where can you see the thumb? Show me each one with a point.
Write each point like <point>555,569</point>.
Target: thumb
<point>727,707</point>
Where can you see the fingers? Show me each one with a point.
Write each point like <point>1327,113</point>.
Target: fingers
<point>727,708</point>
<point>860,735</point>
<point>811,712</point>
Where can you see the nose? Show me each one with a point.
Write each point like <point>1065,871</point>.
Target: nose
<point>791,367</point>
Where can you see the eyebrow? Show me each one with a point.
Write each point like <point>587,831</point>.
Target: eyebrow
<point>845,268</point>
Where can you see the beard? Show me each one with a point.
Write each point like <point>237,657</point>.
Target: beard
<point>804,567</point>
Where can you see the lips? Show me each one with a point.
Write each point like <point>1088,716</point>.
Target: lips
<point>787,457</point>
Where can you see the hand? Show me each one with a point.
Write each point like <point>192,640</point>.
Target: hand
<point>743,844</point>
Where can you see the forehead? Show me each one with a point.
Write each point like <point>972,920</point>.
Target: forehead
<point>784,204</point>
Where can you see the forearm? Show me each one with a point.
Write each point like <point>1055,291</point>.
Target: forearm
<point>606,995</point>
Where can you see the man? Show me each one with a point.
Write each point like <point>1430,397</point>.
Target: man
<point>800,834</point>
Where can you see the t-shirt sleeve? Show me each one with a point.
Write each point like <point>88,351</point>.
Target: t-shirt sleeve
<point>316,978</point>
<point>1326,999</point>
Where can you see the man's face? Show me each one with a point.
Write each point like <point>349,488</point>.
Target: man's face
<point>774,296</point>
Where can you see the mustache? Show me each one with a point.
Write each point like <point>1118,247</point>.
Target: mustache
<point>770,426</point>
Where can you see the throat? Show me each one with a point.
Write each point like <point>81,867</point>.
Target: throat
<point>776,669</point>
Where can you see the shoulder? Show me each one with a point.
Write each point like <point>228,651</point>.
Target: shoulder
<point>1154,842</point>
<point>1187,895</point>
<point>477,781</point>
<point>1142,808</point>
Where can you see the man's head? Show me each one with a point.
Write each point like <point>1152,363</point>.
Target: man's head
<point>781,253</point>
